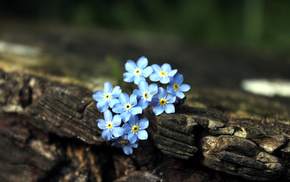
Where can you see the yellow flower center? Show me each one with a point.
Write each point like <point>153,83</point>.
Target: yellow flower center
<point>135,128</point>
<point>109,125</point>
<point>127,107</point>
<point>175,86</point>
<point>107,97</point>
<point>137,71</point>
<point>162,102</point>
<point>124,142</point>
<point>145,95</point>
<point>162,73</point>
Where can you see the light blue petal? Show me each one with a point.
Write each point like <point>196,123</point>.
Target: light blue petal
<point>112,102</point>
<point>154,101</point>
<point>133,120</point>
<point>117,144</point>
<point>136,110</point>
<point>117,131</point>
<point>171,80</point>
<point>178,79</point>
<point>142,62</point>
<point>149,98</point>
<point>142,135</point>
<point>143,103</point>
<point>118,108</point>
<point>102,124</point>
<point>130,66</point>
<point>138,93</point>
<point>161,92</point>
<point>143,86</point>
<point>184,87</point>
<point>158,110</point>
<point>98,95</point>
<point>155,77</point>
<point>128,77</point>
<point>153,89</point>
<point>170,90</point>
<point>138,78</point>
<point>147,71</point>
<point>107,134</point>
<point>169,108</point>
<point>133,99</point>
<point>125,116</point>
<point>179,94</point>
<point>117,120</point>
<point>132,137</point>
<point>103,105</point>
<point>134,145</point>
<point>143,123</point>
<point>127,150</point>
<point>172,72</point>
<point>156,68</point>
<point>126,128</point>
<point>108,115</point>
<point>124,98</point>
<point>116,91</point>
<point>164,80</point>
<point>107,87</point>
<point>166,67</point>
<point>170,98</point>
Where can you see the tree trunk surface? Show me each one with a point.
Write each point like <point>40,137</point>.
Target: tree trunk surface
<point>49,132</point>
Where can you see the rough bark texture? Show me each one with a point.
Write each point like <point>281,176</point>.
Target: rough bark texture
<point>49,132</point>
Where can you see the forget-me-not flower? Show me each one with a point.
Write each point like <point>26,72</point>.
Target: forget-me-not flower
<point>163,102</point>
<point>108,97</point>
<point>162,73</point>
<point>145,93</point>
<point>137,72</point>
<point>176,87</point>
<point>127,106</point>
<point>136,129</point>
<point>123,142</point>
<point>110,125</point>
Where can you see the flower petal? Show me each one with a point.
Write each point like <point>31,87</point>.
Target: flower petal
<point>184,87</point>
<point>103,105</point>
<point>107,134</point>
<point>143,103</point>
<point>133,120</point>
<point>132,137</point>
<point>143,123</point>
<point>178,79</point>
<point>179,94</point>
<point>155,77</point>
<point>147,71</point>
<point>116,120</point>
<point>124,98</point>
<point>128,77</point>
<point>112,102</point>
<point>126,128</point>
<point>108,115</point>
<point>142,135</point>
<point>102,124</point>
<point>158,110</point>
<point>172,72</point>
<point>153,89</point>
<point>98,95</point>
<point>136,110</point>
<point>133,99</point>
<point>142,62</point>
<point>166,67</point>
<point>126,115</point>
<point>161,92</point>
<point>117,131</point>
<point>138,93</point>
<point>117,144</point>
<point>154,101</point>
<point>143,86</point>
<point>138,78</point>
<point>170,90</point>
<point>118,108</point>
<point>156,68</point>
<point>130,66</point>
<point>116,91</point>
<point>134,145</point>
<point>170,98</point>
<point>164,80</point>
<point>169,108</point>
<point>127,150</point>
<point>107,87</point>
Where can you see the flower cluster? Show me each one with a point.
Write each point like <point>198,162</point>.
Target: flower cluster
<point>123,126</point>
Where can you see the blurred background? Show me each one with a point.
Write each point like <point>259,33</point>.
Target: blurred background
<point>215,43</point>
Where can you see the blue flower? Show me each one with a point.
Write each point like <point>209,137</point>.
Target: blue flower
<point>163,102</point>
<point>162,73</point>
<point>127,106</point>
<point>136,129</point>
<point>145,93</point>
<point>137,72</point>
<point>123,142</point>
<point>176,87</point>
<point>108,97</point>
<point>110,125</point>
